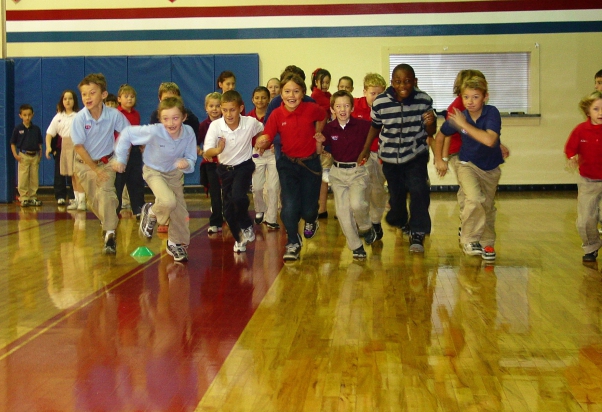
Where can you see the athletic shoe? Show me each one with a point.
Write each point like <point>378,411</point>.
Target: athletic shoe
<point>60,201</point>
<point>488,253</point>
<point>25,203</point>
<point>359,253</point>
<point>72,204</point>
<point>110,247</point>
<point>147,222</point>
<point>258,218</point>
<point>163,229</point>
<point>240,246</point>
<point>272,226</point>
<point>590,257</point>
<point>310,229</point>
<point>370,236</point>
<point>379,231</point>
<point>416,242</point>
<point>81,205</point>
<point>213,230</point>
<point>292,251</point>
<point>249,234</point>
<point>473,249</point>
<point>179,252</point>
<point>35,202</point>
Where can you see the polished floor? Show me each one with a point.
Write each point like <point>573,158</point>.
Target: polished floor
<point>399,332</point>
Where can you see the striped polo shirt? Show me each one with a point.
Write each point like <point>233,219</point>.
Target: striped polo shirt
<point>403,135</point>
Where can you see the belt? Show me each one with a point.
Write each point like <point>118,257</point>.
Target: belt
<point>30,152</point>
<point>102,160</point>
<point>345,165</point>
<point>230,168</point>
<point>300,159</point>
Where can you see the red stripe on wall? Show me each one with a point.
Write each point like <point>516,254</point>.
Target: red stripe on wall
<point>300,10</point>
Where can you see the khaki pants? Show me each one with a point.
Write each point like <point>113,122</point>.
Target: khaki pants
<point>378,195</point>
<point>266,176</point>
<point>590,193</point>
<point>100,196</point>
<point>28,179</point>
<point>454,161</point>
<point>350,189</point>
<point>170,205</point>
<point>478,215</point>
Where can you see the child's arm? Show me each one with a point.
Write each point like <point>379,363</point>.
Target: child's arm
<point>372,133</point>
<point>441,141</point>
<point>215,151</point>
<point>16,155</point>
<point>430,122</point>
<point>48,145</point>
<point>486,137</point>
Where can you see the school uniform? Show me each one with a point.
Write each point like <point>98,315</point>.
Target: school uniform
<point>98,138</point>
<point>28,142</point>
<point>160,173</point>
<point>348,179</point>
<point>132,176</point>
<point>235,168</point>
<point>209,178</point>
<point>299,168</point>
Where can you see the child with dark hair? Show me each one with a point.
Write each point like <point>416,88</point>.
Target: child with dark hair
<point>345,83</point>
<point>320,83</point>
<point>26,145</point>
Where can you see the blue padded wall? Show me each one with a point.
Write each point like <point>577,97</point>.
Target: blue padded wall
<point>145,74</point>
<point>7,161</point>
<point>64,73</point>
<point>115,69</point>
<point>194,75</point>
<point>246,69</point>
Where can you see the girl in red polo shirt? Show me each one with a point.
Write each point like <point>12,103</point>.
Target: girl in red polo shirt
<point>584,150</point>
<point>299,167</point>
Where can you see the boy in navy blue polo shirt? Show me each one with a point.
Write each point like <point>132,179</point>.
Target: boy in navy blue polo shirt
<point>26,145</point>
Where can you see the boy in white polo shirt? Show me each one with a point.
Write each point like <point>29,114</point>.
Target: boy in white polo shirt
<point>231,138</point>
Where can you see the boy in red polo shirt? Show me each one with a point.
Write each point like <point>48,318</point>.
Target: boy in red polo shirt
<point>374,84</point>
<point>299,167</point>
<point>346,137</point>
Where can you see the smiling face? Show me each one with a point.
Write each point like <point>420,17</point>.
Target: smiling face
<point>342,109</point>
<point>595,112</point>
<point>213,109</point>
<point>473,100</point>
<point>260,100</point>
<point>172,120</point>
<point>229,83</point>
<point>92,96</point>
<point>403,83</point>
<point>292,95</point>
<point>231,113</point>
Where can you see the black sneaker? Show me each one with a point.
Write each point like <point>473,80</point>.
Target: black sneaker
<point>272,226</point>
<point>379,231</point>
<point>25,203</point>
<point>369,236</point>
<point>147,223</point>
<point>416,242</point>
<point>179,252</point>
<point>590,257</point>
<point>110,247</point>
<point>35,202</point>
<point>310,229</point>
<point>359,253</point>
<point>291,252</point>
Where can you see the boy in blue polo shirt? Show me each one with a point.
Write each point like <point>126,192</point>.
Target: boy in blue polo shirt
<point>93,134</point>
<point>26,145</point>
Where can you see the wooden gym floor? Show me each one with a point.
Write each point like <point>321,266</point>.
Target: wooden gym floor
<point>399,332</point>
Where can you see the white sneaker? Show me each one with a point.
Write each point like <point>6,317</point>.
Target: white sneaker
<point>473,249</point>
<point>72,204</point>
<point>213,230</point>
<point>81,205</point>
<point>249,234</point>
<point>240,246</point>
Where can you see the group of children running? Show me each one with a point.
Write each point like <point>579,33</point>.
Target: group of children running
<point>282,149</point>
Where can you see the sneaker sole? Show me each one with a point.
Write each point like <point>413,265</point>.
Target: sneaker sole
<point>417,249</point>
<point>488,257</point>
<point>290,258</point>
<point>181,259</point>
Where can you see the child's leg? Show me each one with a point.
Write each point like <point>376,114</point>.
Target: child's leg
<point>215,193</point>
<point>454,160</point>
<point>59,182</point>
<point>165,198</point>
<point>398,194</point>
<point>179,230</point>
<point>416,181</point>
<point>489,181</point>
<point>340,180</point>
<point>34,178</point>
<point>310,190</point>
<point>134,181</point>
<point>587,214</point>
<point>102,196</point>
<point>473,215</point>
<point>359,181</point>
<point>258,181</point>
<point>243,175</point>
<point>23,178</point>
<point>290,182</point>
<point>378,195</point>
<point>273,189</point>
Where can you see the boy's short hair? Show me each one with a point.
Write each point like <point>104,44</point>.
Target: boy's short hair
<point>476,83</point>
<point>126,88</point>
<point>232,96</point>
<point>111,98</point>
<point>346,78</point>
<point>260,89</point>
<point>295,78</point>
<point>598,74</point>
<point>168,87</point>
<point>226,74</point>
<point>588,100</point>
<point>292,69</point>
<point>94,78</point>
<point>213,96</point>
<point>405,67</point>
<point>340,93</point>
<point>374,80</point>
<point>170,103</point>
<point>24,107</point>
<point>462,76</point>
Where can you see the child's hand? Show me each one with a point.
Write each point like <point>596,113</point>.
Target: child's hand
<point>319,137</point>
<point>505,151</point>
<point>18,158</point>
<point>118,166</point>
<point>48,152</point>
<point>199,151</point>
<point>262,142</point>
<point>441,167</point>
<point>457,119</point>
<point>181,164</point>
<point>573,162</point>
<point>428,117</point>
<point>221,144</point>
